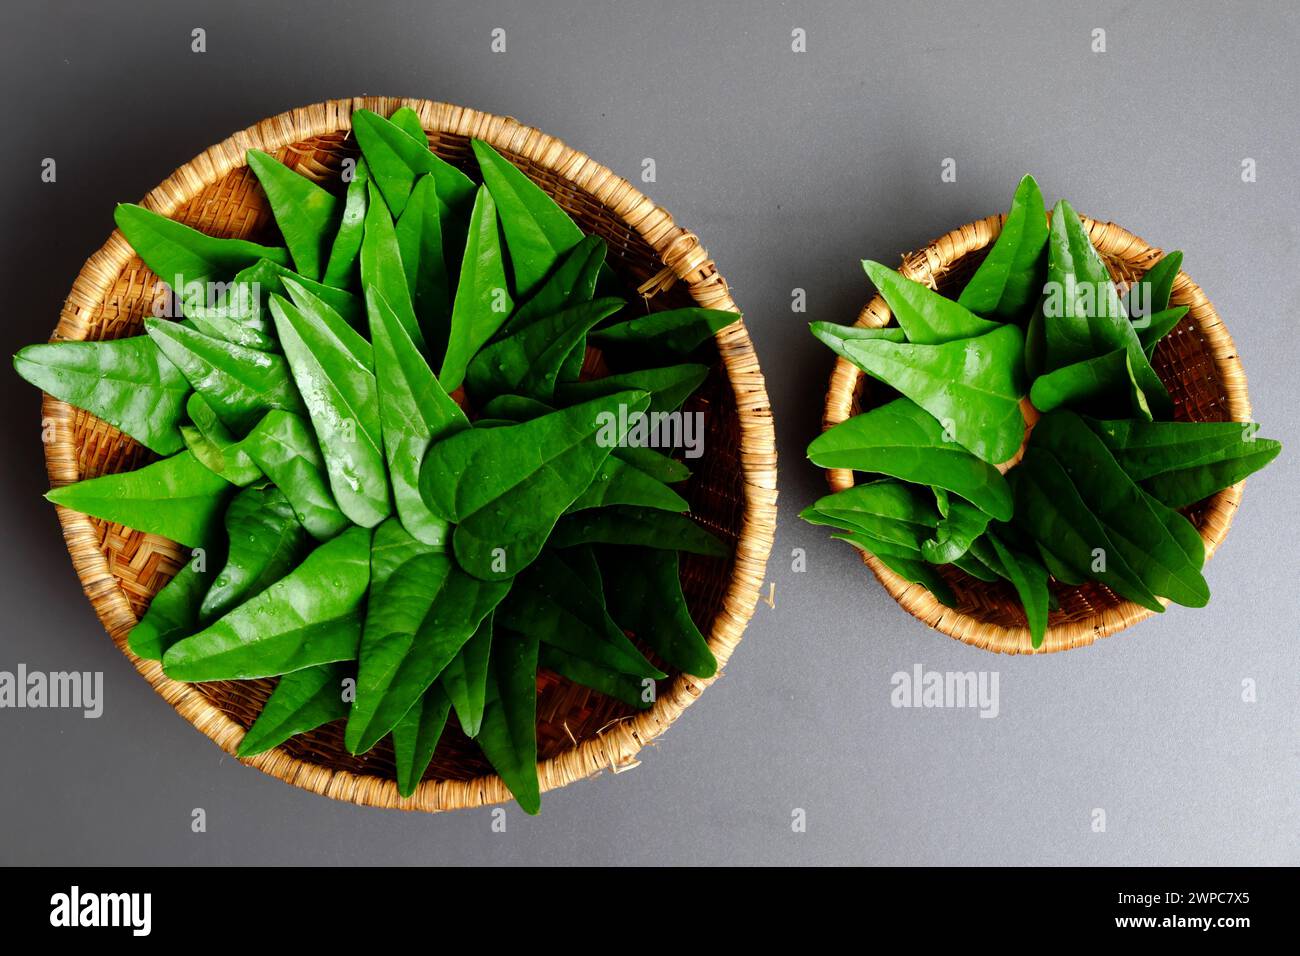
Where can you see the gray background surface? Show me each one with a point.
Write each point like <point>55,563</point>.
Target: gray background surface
<point>792,167</point>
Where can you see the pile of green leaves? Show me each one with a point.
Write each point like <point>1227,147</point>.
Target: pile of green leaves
<point>1094,497</point>
<point>394,558</point>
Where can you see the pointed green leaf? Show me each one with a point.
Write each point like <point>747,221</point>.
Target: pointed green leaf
<point>179,255</point>
<point>972,385</point>
<point>553,601</point>
<point>668,387</point>
<point>528,362</point>
<point>416,736</point>
<point>925,316</point>
<point>506,487</point>
<point>419,240</point>
<point>341,267</point>
<point>128,383</point>
<point>636,526</point>
<point>643,591</point>
<point>382,269</point>
<point>413,411</point>
<point>538,232</point>
<point>302,701</point>
<point>285,449</point>
<point>1010,278</point>
<point>902,440</point>
<point>343,402</point>
<point>396,159</point>
<point>308,216</point>
<point>240,384</point>
<point>1082,313</point>
<point>266,543</point>
<point>174,611</point>
<point>464,679</point>
<point>508,736</point>
<point>176,498</point>
<point>418,619</point>
<point>482,302</point>
<point>1029,578</point>
<point>311,616</point>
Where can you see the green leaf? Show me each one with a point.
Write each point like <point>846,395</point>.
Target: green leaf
<point>618,483</point>
<point>647,527</point>
<point>662,334</point>
<point>1082,313</point>
<point>1097,385</point>
<point>128,383</point>
<point>551,600</point>
<point>910,569</point>
<point>1029,578</point>
<point>266,542</point>
<point>464,679</point>
<point>1010,278</point>
<point>506,487</point>
<point>318,312</point>
<point>955,533</point>
<point>416,736</point>
<point>837,337</point>
<point>311,616</point>
<point>668,387</point>
<point>419,617</point>
<point>419,240</point>
<point>621,687</point>
<point>572,282</point>
<point>528,362</point>
<point>174,611</point>
<point>1151,331</point>
<point>284,448</point>
<point>1150,294</point>
<point>343,402</point>
<point>396,159</point>
<point>1182,463</point>
<point>1141,536</point>
<point>972,385</point>
<point>216,324</point>
<point>1050,509</point>
<point>179,255</point>
<point>538,232</point>
<point>517,408</point>
<point>307,215</point>
<point>413,411</point>
<point>175,498</point>
<point>925,316</point>
<point>902,440</point>
<point>341,268</point>
<point>482,302</point>
<point>382,268</point>
<point>508,737</point>
<point>259,283</point>
<point>303,700</point>
<point>240,384</point>
<point>643,592</point>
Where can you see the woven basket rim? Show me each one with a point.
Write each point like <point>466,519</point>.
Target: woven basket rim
<point>931,261</point>
<point>613,748</point>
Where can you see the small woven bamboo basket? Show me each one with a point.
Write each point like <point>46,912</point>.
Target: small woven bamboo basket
<point>1197,363</point>
<point>732,492</point>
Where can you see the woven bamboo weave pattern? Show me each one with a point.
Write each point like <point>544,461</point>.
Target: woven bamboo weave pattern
<point>1198,363</point>
<point>732,491</point>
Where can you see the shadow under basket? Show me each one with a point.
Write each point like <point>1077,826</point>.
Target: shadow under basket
<point>732,491</point>
<point>1197,362</point>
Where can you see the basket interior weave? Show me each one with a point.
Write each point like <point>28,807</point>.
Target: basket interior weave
<point>1196,362</point>
<point>141,563</point>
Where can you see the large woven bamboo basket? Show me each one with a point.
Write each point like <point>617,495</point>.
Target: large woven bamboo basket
<point>1198,364</point>
<point>733,490</point>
